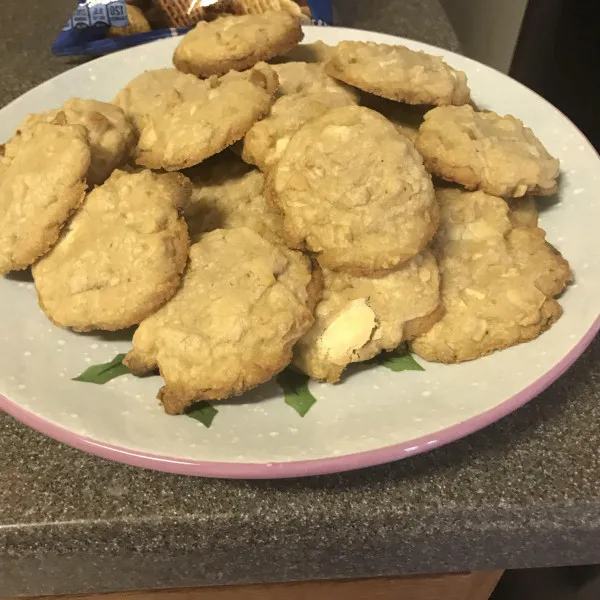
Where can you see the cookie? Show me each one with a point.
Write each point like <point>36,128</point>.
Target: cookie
<point>398,73</point>
<point>242,305</point>
<point>226,194</point>
<point>267,139</point>
<point>498,281</point>
<point>261,74</point>
<point>482,150</point>
<point>306,92</point>
<point>354,191</point>
<point>111,135</point>
<point>301,77</point>
<point>122,255</point>
<point>182,120</point>
<point>42,181</point>
<point>406,117</point>
<point>358,317</point>
<point>236,42</point>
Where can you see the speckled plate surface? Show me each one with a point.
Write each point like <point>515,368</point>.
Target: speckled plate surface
<point>376,415</point>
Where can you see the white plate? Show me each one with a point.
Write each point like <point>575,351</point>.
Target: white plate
<point>376,415</point>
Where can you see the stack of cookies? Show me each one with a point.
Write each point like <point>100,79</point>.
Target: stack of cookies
<point>318,210</point>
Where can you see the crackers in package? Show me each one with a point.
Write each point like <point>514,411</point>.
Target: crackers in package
<point>102,26</point>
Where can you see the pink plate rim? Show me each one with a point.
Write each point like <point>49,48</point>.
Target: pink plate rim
<point>302,468</point>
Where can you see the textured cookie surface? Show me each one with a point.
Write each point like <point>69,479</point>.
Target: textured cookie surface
<point>121,256</point>
<point>42,181</point>
<point>498,281</point>
<point>266,141</point>
<point>242,305</point>
<point>182,120</point>
<point>398,73</point>
<point>227,193</point>
<point>111,135</point>
<point>297,77</point>
<point>305,92</point>
<point>236,42</point>
<point>482,150</point>
<point>358,317</point>
<point>354,191</point>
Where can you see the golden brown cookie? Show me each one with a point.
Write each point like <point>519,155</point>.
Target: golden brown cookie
<point>482,150</point>
<point>498,281</point>
<point>301,77</point>
<point>306,92</point>
<point>261,74</point>
<point>267,139</point>
<point>354,191</point>
<point>122,255</point>
<point>42,181</point>
<point>358,317</point>
<point>236,42</point>
<point>227,193</point>
<point>182,120</point>
<point>398,73</point>
<point>242,305</point>
<point>111,135</point>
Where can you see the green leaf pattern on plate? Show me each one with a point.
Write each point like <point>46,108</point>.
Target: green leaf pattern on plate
<point>104,372</point>
<point>293,383</point>
<point>398,360</point>
<point>295,389</point>
<point>203,412</point>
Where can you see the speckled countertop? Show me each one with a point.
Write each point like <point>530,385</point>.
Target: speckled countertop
<point>523,492</point>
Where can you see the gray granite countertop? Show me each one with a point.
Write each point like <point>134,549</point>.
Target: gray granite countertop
<point>523,492</point>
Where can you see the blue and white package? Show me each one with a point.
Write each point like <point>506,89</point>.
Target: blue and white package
<point>87,30</point>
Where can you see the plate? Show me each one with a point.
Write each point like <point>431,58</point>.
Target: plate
<point>376,415</point>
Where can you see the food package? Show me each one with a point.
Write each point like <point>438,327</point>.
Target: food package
<point>102,26</point>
